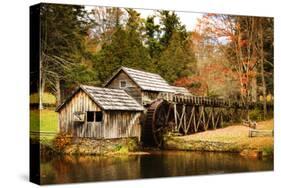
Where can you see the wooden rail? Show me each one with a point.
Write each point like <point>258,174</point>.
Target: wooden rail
<point>206,101</point>
<point>42,134</point>
<point>199,100</point>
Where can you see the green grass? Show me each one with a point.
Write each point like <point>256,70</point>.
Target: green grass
<point>48,123</point>
<point>48,98</point>
<point>48,120</point>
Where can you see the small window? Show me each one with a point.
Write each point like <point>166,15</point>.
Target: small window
<point>98,116</point>
<point>123,84</point>
<point>90,116</point>
<point>79,116</point>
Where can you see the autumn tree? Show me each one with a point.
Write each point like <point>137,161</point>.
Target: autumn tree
<point>238,38</point>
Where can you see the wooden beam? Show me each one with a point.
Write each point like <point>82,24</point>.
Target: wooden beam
<point>194,120</point>
<point>200,116</point>
<point>168,114</point>
<point>184,122</point>
<point>213,118</point>
<point>217,120</point>
<point>175,115</point>
<point>181,118</point>
<point>190,119</point>
<point>204,118</point>
<point>221,120</point>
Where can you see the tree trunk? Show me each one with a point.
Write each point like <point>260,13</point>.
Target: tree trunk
<point>254,89</point>
<point>262,71</point>
<point>58,92</point>
<point>263,89</point>
<point>41,87</point>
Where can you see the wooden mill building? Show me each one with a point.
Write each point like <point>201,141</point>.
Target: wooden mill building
<point>143,86</point>
<point>100,113</point>
<point>113,111</point>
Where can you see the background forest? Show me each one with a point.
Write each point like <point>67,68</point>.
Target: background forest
<point>224,56</point>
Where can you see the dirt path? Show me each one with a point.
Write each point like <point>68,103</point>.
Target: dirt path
<point>232,138</point>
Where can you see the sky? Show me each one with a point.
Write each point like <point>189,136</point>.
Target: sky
<point>189,19</point>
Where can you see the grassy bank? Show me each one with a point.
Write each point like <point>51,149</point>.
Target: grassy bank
<point>44,121</point>
<point>230,139</point>
<point>47,98</point>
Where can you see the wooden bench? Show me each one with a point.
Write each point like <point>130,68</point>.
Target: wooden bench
<point>260,133</point>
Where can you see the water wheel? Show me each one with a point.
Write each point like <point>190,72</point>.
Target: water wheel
<point>157,117</point>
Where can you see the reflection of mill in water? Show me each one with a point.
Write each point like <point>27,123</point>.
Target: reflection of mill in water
<point>58,169</point>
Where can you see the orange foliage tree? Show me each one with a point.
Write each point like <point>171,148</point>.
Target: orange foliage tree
<point>209,78</point>
<point>236,37</point>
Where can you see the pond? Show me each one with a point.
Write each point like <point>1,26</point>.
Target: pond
<point>70,169</point>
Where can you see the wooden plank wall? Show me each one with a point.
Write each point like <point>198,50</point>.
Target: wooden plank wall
<point>89,130</point>
<point>118,124</point>
<point>115,124</point>
<point>80,102</point>
<point>132,88</point>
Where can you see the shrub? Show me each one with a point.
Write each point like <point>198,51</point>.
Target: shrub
<point>61,141</point>
<point>121,149</point>
<point>118,147</point>
<point>256,114</point>
<point>133,145</point>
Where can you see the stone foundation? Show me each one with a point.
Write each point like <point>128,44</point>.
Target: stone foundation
<point>88,146</point>
<point>202,145</point>
<point>172,143</point>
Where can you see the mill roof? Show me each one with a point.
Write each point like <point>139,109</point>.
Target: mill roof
<point>181,90</point>
<point>145,80</point>
<point>108,99</point>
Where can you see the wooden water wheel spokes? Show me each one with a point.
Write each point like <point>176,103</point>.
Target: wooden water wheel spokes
<point>159,122</point>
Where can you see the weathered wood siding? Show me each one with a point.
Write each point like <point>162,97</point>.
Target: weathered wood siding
<point>132,88</point>
<point>114,124</point>
<point>118,124</point>
<point>88,129</point>
<point>80,102</point>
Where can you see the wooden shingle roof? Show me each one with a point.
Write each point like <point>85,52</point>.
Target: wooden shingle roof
<point>145,80</point>
<point>109,99</point>
<point>181,90</point>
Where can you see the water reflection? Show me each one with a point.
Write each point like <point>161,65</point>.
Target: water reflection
<point>69,169</point>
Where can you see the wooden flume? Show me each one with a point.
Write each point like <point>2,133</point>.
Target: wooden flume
<point>185,115</point>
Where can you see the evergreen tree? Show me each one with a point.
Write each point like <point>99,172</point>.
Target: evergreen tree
<point>152,32</point>
<point>126,49</point>
<point>63,31</point>
<point>170,23</point>
<point>177,60</point>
